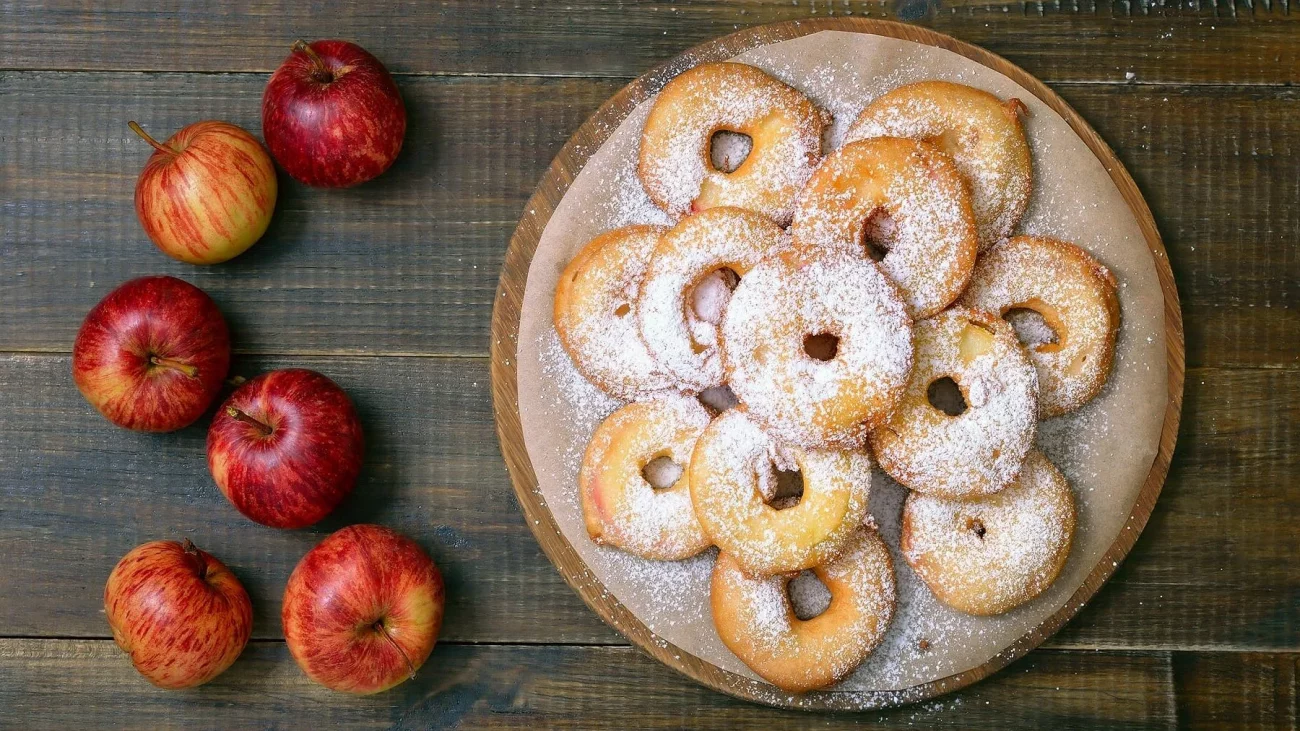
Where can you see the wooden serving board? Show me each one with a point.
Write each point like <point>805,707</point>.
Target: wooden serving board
<point>505,328</point>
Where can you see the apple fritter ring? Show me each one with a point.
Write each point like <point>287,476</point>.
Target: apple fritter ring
<point>969,416</point>
<point>991,554</point>
<point>755,618</point>
<point>622,507</point>
<point>595,318</point>
<point>980,132</point>
<point>735,480</point>
<point>1065,307</point>
<point>900,200</point>
<point>784,126</point>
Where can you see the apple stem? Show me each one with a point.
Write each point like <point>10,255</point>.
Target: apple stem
<point>236,381</point>
<point>238,415</point>
<point>186,368</point>
<point>322,72</point>
<point>145,136</point>
<point>381,629</point>
<point>192,551</point>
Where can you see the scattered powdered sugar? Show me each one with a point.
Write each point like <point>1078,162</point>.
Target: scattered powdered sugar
<point>578,400</point>
<point>927,640</point>
<point>809,597</point>
<point>934,235</point>
<point>662,472</point>
<point>977,130</point>
<point>698,246</point>
<point>784,125</point>
<point>729,150</point>
<point>800,399</point>
<point>1062,282</point>
<point>680,588</point>
<point>710,298</point>
<point>981,450</point>
<point>1031,329</point>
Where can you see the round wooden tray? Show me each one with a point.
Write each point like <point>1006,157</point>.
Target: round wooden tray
<point>505,330</point>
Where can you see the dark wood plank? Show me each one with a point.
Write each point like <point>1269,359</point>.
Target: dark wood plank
<point>1238,690</point>
<point>409,263</point>
<point>77,493</point>
<point>1210,558</point>
<point>1246,41</point>
<point>56,683</point>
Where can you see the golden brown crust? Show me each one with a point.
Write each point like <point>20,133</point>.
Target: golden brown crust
<point>728,490</point>
<point>833,400</point>
<point>980,132</point>
<point>719,238</point>
<point>980,450</point>
<point>594,314</point>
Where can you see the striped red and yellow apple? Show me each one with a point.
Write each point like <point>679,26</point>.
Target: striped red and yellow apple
<point>207,193</point>
<point>363,609</point>
<point>152,355</point>
<point>179,613</point>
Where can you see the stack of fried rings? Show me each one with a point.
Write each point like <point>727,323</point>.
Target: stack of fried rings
<point>894,318</point>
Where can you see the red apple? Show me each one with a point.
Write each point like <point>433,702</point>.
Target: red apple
<point>362,609</point>
<point>206,194</point>
<point>332,115</point>
<point>152,355</point>
<point>286,448</point>
<point>178,612</point>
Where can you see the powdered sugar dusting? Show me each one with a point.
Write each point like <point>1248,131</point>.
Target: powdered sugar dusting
<point>785,128</point>
<point>800,399</point>
<point>594,312</point>
<point>977,130</point>
<point>621,505</point>
<point>991,554</point>
<point>725,473</point>
<point>758,622</point>
<point>1103,455</point>
<point>934,238</point>
<point>981,450</point>
<point>693,250</point>
<point>1065,283</point>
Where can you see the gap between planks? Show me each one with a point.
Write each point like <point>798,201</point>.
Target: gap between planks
<point>361,354</point>
<point>1047,646</point>
<point>1257,85</point>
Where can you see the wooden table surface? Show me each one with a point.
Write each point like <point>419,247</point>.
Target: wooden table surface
<point>388,289</point>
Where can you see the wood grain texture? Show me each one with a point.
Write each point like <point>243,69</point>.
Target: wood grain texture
<point>1237,690</point>
<point>90,684</point>
<point>1205,41</point>
<point>79,493</point>
<point>506,315</point>
<point>408,264</point>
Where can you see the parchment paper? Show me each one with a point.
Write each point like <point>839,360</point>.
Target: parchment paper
<point>1105,449</point>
